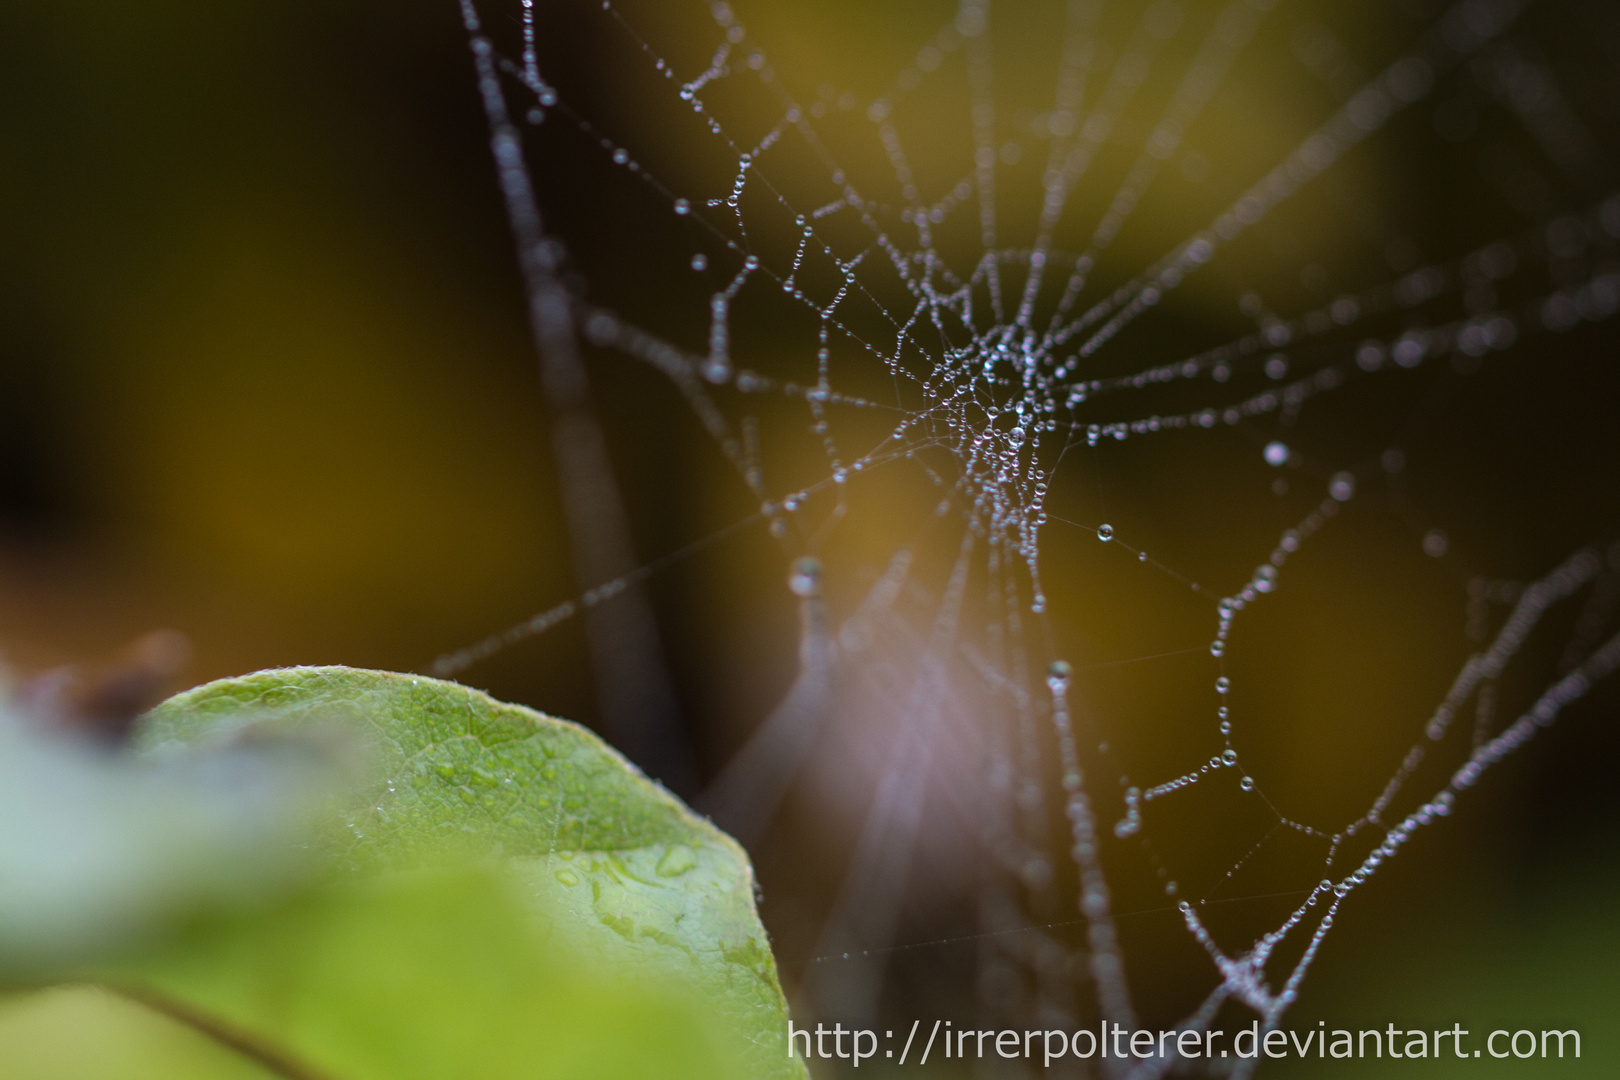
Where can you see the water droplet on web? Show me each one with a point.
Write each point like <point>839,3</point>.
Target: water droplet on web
<point>700,261</point>
<point>1276,453</point>
<point>1225,727</point>
<point>1222,685</point>
<point>1342,486</point>
<point>1058,673</point>
<point>1038,604</point>
<point>682,206</point>
<point>1247,783</point>
<point>1217,647</point>
<point>1229,757</point>
<point>805,580</point>
<point>1171,888</point>
<point>1105,533</point>
<point>1184,907</point>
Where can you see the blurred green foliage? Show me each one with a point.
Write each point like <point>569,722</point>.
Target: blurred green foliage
<point>501,895</point>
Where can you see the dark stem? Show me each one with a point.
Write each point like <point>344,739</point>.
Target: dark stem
<point>226,1034</point>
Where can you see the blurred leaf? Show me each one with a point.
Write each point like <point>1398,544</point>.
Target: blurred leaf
<point>434,975</point>
<point>97,847</point>
<point>87,1033</point>
<point>599,928</point>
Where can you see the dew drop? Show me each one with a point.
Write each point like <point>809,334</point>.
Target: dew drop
<point>1229,757</point>
<point>805,579</point>
<point>1226,727</point>
<point>682,206</point>
<point>1222,685</point>
<point>1247,783</point>
<point>1217,648</point>
<point>1105,533</point>
<point>700,261</point>
<point>1276,453</point>
<point>1342,486</point>
<point>1057,674</point>
<point>676,861</point>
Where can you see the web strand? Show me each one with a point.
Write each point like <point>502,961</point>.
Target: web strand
<point>964,343</point>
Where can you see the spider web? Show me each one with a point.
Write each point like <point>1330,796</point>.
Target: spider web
<point>947,329</point>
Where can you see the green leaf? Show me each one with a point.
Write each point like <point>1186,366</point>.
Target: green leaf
<point>97,848</point>
<point>509,897</point>
<point>434,975</point>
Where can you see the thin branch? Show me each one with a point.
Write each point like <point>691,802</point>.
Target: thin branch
<point>226,1034</point>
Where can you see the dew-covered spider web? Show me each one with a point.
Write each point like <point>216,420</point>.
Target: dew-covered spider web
<point>1148,407</point>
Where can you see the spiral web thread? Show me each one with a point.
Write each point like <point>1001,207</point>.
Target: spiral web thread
<point>994,367</point>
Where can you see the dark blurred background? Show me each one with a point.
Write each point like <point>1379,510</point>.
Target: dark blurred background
<point>266,379</point>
